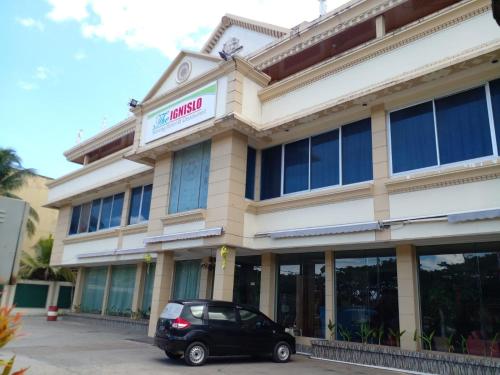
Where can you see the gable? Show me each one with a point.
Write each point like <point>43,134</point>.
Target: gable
<point>185,67</point>
<point>250,40</point>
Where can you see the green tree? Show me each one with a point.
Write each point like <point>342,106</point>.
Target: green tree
<point>38,266</point>
<point>12,177</point>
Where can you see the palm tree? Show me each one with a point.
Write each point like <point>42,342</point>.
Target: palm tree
<point>38,266</point>
<point>12,177</point>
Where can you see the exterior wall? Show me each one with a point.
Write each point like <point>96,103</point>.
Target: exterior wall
<point>35,192</point>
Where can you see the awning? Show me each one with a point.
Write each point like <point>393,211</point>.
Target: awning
<point>324,231</point>
<point>201,233</point>
<point>108,253</point>
<point>474,215</point>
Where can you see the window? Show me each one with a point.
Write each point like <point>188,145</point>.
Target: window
<point>94,283</point>
<point>301,293</point>
<point>366,295</point>
<point>193,314</point>
<point>446,130</point>
<point>270,178</point>
<point>495,104</point>
<point>99,214</point>
<point>121,290</point>
<point>246,289</point>
<point>253,320</point>
<point>189,185</point>
<point>186,279</point>
<point>140,202</point>
<point>317,162</point>
<point>221,313</point>
<point>459,297</point>
<point>250,177</point>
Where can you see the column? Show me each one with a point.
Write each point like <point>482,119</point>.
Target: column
<point>380,169</point>
<point>138,288</point>
<point>7,297</point>
<point>162,288</point>
<point>329,291</point>
<point>77,297</point>
<point>408,305</point>
<point>107,286</point>
<point>224,276</point>
<point>268,284</point>
<point>61,231</point>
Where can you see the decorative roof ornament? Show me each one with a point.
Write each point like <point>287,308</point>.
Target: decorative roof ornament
<point>184,71</point>
<point>230,48</point>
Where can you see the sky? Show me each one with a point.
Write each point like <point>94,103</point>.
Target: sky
<point>71,65</point>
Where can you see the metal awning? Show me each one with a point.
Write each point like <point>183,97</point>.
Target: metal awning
<point>201,233</point>
<point>461,217</point>
<point>324,231</point>
<point>108,253</point>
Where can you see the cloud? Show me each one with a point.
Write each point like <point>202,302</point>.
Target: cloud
<point>169,26</point>
<point>80,55</point>
<point>42,73</point>
<point>27,86</point>
<point>30,22</point>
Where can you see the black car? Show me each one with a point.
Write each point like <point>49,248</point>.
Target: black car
<point>197,329</point>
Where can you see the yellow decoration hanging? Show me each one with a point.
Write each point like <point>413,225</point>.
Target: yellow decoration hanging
<point>224,251</point>
<point>148,258</point>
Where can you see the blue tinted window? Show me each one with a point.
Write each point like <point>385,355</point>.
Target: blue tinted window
<point>296,166</point>
<point>105,213</point>
<point>94,215</point>
<point>270,179</point>
<point>357,152</point>
<point>190,173</point>
<point>250,178</point>
<point>135,205</point>
<point>116,212</point>
<point>325,160</point>
<point>146,202</point>
<point>463,126</point>
<point>495,101</point>
<point>75,216</point>
<point>83,225</point>
<point>413,140</point>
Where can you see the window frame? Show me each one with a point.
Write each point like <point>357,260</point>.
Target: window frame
<point>309,189</point>
<point>141,201</point>
<point>438,167</point>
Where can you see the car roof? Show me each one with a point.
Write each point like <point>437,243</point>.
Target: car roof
<point>212,302</point>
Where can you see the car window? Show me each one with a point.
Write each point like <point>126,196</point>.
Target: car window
<point>193,314</point>
<point>219,313</point>
<point>251,319</point>
<point>197,311</point>
<point>171,311</point>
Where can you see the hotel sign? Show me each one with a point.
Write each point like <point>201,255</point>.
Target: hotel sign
<point>189,110</point>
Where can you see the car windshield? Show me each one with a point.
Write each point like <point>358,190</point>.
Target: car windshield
<point>171,311</point>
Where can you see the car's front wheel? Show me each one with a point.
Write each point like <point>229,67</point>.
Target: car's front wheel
<point>196,354</point>
<point>173,355</point>
<point>282,352</point>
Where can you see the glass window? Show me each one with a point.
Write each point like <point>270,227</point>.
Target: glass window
<point>301,293</point>
<point>247,272</point>
<point>189,185</point>
<point>193,314</point>
<point>270,177</point>
<point>105,213</point>
<point>187,279</point>
<point>253,320</point>
<point>250,177</point>
<point>463,126</point>
<point>140,202</point>
<point>83,225</point>
<point>221,313</point>
<point>357,152</point>
<point>197,311</point>
<point>75,217</point>
<point>366,295</point>
<point>296,174</point>
<point>413,139</point>
<point>94,215</point>
<point>460,297</point>
<point>147,294</point>
<point>94,283</point>
<point>116,212</point>
<point>495,103</point>
<point>121,290</point>
<point>325,160</point>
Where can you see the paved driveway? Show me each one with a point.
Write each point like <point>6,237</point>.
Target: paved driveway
<point>71,347</point>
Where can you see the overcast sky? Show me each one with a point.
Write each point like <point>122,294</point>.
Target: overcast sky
<point>73,64</point>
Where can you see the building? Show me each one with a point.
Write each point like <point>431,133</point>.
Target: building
<point>344,170</point>
<point>35,192</point>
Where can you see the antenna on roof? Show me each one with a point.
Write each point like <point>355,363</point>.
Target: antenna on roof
<point>104,123</point>
<point>79,136</point>
<point>322,8</point>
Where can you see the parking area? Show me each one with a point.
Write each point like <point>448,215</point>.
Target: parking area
<point>72,347</point>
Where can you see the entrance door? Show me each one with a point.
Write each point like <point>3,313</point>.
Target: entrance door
<point>187,279</point>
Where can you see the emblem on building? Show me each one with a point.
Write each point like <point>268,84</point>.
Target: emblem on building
<point>183,71</point>
<point>231,46</point>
